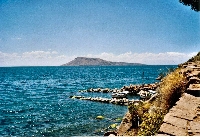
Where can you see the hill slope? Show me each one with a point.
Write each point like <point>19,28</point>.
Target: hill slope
<point>195,58</point>
<point>83,61</point>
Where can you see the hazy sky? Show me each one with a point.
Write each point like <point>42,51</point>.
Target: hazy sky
<point>53,32</point>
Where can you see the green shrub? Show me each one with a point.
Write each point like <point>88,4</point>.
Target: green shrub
<point>138,108</point>
<point>151,122</point>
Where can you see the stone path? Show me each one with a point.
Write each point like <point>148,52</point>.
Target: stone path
<point>183,119</point>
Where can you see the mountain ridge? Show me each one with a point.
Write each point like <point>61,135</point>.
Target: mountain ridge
<point>84,61</point>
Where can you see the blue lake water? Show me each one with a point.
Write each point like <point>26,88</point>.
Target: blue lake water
<point>34,101</point>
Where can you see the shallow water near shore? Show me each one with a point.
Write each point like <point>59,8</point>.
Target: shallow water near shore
<point>34,101</point>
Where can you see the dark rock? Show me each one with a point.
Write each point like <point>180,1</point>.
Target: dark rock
<point>110,133</point>
<point>78,97</point>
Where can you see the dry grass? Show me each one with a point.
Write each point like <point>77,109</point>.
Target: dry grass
<point>170,90</point>
<point>151,114</point>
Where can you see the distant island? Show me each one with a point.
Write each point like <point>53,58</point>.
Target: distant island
<point>84,61</point>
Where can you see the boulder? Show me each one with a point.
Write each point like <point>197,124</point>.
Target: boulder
<point>113,125</point>
<point>105,90</point>
<point>77,97</point>
<point>118,119</point>
<point>110,133</point>
<point>100,117</point>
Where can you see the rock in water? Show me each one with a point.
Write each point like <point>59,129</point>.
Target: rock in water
<point>100,117</point>
<point>113,125</point>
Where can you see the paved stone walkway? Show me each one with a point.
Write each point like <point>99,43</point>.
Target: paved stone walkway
<point>183,119</point>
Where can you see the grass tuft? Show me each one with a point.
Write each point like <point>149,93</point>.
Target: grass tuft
<point>170,90</point>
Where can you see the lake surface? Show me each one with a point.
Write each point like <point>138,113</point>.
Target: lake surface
<point>34,101</point>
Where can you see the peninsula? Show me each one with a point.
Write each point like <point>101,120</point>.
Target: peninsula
<point>84,61</point>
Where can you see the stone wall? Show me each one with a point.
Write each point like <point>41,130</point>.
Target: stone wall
<point>183,119</point>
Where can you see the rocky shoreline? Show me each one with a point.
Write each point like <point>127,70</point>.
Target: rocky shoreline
<point>145,117</point>
<point>121,101</point>
<point>133,89</point>
<point>183,118</point>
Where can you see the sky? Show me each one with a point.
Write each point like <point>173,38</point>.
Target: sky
<point>54,32</point>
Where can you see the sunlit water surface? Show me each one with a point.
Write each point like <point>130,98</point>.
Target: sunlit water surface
<point>34,101</point>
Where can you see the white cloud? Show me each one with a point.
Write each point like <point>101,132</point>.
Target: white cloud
<point>53,58</point>
<point>147,58</point>
<point>33,58</point>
